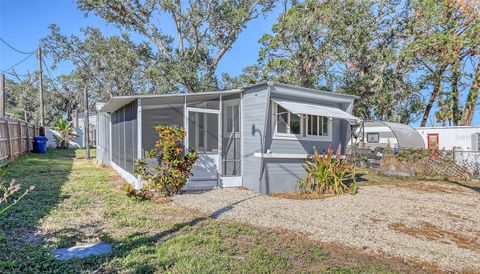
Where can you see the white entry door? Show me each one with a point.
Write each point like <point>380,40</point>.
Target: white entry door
<point>202,135</point>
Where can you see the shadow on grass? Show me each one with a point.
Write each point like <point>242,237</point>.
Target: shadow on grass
<point>48,173</point>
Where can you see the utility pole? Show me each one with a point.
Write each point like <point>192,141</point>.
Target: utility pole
<point>2,95</point>
<point>40,85</point>
<point>86,127</point>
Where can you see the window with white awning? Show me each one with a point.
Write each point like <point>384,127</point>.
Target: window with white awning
<point>317,110</point>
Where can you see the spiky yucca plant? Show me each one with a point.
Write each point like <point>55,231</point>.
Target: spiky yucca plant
<point>327,173</point>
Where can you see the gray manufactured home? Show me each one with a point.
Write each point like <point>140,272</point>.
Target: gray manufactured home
<point>256,137</point>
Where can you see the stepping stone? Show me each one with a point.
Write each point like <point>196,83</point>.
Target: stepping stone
<point>82,251</point>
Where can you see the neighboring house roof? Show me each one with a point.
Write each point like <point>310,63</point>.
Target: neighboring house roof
<point>447,127</point>
<point>119,101</point>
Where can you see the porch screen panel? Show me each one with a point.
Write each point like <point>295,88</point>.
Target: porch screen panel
<point>115,137</point>
<point>124,132</point>
<point>231,160</point>
<point>203,132</point>
<point>164,115</point>
<point>114,150</point>
<point>130,136</point>
<point>202,102</point>
<point>122,138</point>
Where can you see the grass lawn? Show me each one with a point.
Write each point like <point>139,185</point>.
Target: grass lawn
<point>77,202</point>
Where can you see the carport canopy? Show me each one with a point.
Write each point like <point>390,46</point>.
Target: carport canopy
<point>407,136</point>
<point>311,109</point>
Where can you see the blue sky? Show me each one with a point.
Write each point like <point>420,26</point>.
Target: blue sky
<point>24,22</point>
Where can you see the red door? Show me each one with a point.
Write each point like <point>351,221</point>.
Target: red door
<point>432,141</point>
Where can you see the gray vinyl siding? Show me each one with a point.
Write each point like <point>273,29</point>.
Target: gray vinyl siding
<point>280,175</point>
<point>124,136</point>
<point>253,113</point>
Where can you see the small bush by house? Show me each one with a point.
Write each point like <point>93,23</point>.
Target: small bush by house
<point>171,175</point>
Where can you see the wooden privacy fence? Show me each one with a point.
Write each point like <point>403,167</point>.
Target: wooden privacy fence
<point>16,137</point>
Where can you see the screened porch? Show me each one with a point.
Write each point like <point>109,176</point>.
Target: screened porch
<point>212,122</point>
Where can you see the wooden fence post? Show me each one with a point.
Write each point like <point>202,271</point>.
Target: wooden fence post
<point>27,143</point>
<point>20,150</point>
<point>9,145</point>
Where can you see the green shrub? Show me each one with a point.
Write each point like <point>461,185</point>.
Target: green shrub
<point>327,173</point>
<point>175,163</point>
<point>413,154</point>
<point>66,133</point>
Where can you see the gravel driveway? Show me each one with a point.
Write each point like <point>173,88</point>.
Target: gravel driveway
<point>429,222</point>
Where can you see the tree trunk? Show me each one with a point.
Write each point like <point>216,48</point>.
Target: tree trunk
<point>467,116</point>
<point>456,114</point>
<point>436,91</point>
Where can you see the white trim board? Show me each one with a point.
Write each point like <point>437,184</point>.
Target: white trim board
<point>285,155</point>
<point>231,181</point>
<point>280,155</point>
<point>131,179</point>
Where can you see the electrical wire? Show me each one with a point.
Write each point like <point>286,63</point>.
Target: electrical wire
<point>19,51</point>
<point>23,60</point>
<point>46,68</point>
<point>49,73</point>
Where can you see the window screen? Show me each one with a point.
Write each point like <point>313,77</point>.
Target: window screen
<point>203,132</point>
<point>317,125</point>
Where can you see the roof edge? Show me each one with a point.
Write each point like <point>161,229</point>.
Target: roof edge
<point>271,84</point>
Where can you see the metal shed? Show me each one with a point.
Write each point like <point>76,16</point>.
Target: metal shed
<point>374,134</point>
<point>256,136</point>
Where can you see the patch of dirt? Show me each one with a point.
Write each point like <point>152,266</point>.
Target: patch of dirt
<point>435,233</point>
<point>433,187</point>
<point>301,195</point>
<point>338,254</point>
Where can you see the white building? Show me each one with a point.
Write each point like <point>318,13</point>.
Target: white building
<point>460,138</point>
<point>79,124</point>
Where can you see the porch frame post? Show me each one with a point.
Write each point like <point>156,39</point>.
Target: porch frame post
<point>220,138</point>
<point>241,134</point>
<point>185,121</point>
<point>110,140</point>
<point>139,184</point>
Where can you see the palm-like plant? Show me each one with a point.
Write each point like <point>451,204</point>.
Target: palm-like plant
<point>66,132</point>
<point>327,173</point>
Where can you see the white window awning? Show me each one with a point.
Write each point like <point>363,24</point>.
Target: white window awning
<point>311,109</point>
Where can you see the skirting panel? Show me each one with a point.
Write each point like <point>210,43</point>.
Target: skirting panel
<point>130,178</point>
<point>231,181</point>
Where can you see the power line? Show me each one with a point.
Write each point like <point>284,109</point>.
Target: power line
<point>49,72</point>
<point>23,60</point>
<point>47,69</point>
<point>16,74</point>
<point>10,46</point>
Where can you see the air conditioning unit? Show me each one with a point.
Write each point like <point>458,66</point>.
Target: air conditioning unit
<point>476,142</point>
